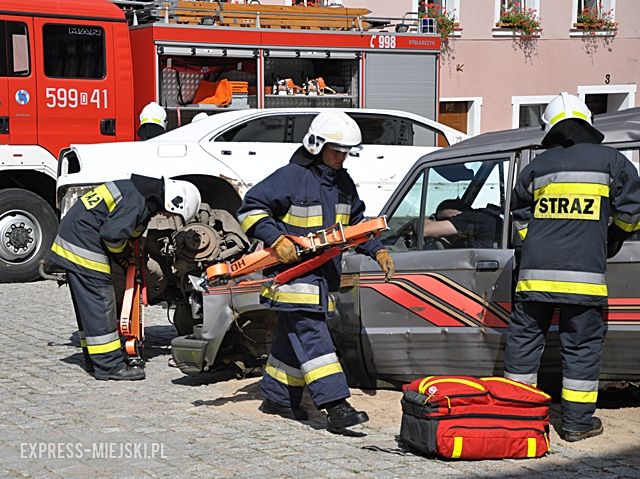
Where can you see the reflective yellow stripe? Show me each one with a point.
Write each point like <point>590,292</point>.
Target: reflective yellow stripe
<point>343,218</point>
<point>628,227</point>
<point>557,118</point>
<point>104,348</point>
<point>302,222</point>
<point>108,198</point>
<point>552,189</point>
<point>457,447</point>
<point>322,372</point>
<point>546,440</point>
<point>466,382</point>
<point>579,396</point>
<point>79,260</point>
<point>280,376</point>
<point>531,447</point>
<point>523,233</point>
<point>294,298</point>
<point>562,287</point>
<point>520,385</point>
<point>137,232</point>
<point>249,221</point>
<point>579,114</point>
<point>116,249</point>
<point>83,343</point>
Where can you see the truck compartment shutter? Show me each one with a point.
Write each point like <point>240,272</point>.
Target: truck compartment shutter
<point>402,81</point>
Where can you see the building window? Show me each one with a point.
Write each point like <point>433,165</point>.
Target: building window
<point>502,5</point>
<point>452,7</point>
<point>602,6</point>
<point>527,110</point>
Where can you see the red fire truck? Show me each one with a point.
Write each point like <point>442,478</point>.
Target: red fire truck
<point>73,71</point>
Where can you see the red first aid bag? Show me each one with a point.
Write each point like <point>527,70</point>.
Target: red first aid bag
<point>462,417</point>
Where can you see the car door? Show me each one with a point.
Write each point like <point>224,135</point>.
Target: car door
<point>445,310</point>
<point>253,148</point>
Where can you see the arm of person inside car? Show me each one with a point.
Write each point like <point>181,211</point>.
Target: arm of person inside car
<point>438,228</point>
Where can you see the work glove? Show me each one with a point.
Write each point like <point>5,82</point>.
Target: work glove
<point>124,258</point>
<point>385,261</point>
<point>285,250</point>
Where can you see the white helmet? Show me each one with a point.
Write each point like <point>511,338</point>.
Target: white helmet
<point>200,116</point>
<point>335,128</point>
<point>154,113</point>
<point>181,198</point>
<point>563,107</point>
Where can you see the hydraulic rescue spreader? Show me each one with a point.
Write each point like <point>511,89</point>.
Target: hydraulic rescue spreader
<point>315,249</point>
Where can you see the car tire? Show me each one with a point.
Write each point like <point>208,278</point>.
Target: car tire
<point>28,226</point>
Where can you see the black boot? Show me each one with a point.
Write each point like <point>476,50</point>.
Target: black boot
<point>342,415</point>
<point>595,430</point>
<point>124,373</point>
<point>270,407</point>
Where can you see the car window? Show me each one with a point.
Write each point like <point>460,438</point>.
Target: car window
<point>470,196</point>
<point>268,129</point>
<point>390,130</point>
<point>406,213</point>
<point>300,126</point>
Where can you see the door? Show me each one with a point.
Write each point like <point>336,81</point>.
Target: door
<point>75,82</point>
<point>18,109</point>
<point>253,148</point>
<point>4,88</point>
<point>454,114</point>
<point>446,309</point>
<point>402,81</point>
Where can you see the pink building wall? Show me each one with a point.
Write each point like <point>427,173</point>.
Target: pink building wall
<point>493,71</point>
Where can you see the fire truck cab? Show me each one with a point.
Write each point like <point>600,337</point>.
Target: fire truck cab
<point>80,72</point>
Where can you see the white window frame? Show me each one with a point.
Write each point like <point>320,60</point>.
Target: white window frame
<point>451,6</point>
<point>629,90</point>
<point>474,115</point>
<point>535,4</point>
<point>517,101</point>
<point>606,6</point>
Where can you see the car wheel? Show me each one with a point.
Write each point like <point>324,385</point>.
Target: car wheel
<point>27,228</point>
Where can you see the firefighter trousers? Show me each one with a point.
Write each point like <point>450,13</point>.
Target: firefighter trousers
<point>95,307</point>
<point>581,334</point>
<point>303,355</point>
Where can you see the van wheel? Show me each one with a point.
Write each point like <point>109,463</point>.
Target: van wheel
<point>27,228</point>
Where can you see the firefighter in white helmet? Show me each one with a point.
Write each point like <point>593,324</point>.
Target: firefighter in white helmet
<point>311,193</point>
<point>97,231</point>
<point>153,121</point>
<point>562,204</point>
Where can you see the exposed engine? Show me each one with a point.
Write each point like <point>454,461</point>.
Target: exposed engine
<point>176,250</point>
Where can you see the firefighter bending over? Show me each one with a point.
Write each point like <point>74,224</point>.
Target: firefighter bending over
<point>561,205</point>
<point>96,229</point>
<point>311,193</point>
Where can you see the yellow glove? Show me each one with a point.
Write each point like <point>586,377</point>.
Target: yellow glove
<point>285,250</point>
<point>385,261</point>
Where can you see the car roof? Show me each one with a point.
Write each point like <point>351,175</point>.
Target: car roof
<point>618,127</point>
<point>205,126</point>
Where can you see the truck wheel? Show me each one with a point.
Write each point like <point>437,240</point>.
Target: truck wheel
<point>28,226</point>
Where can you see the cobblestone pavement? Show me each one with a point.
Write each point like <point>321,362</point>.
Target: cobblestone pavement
<point>58,422</point>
